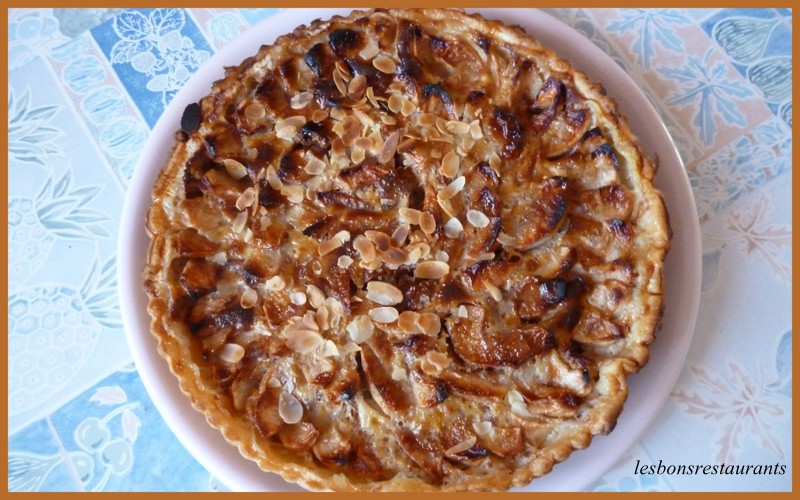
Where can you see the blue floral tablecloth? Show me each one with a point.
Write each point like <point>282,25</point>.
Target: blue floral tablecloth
<point>87,85</point>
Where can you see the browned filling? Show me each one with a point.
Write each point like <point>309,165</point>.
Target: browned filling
<point>392,261</point>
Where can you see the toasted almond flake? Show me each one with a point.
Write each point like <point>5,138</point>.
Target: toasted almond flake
<point>343,236</point>
<point>427,119</point>
<point>295,193</point>
<point>301,100</point>
<point>234,168</point>
<point>408,322</point>
<point>338,114</point>
<point>231,353</point>
<point>315,296</point>
<point>248,299</point>
<point>363,143</point>
<point>400,234</point>
<point>289,408</point>
<point>389,147</point>
<point>395,103</point>
<point>275,284</point>
<point>254,111</point>
<point>339,81</point>
<point>304,340</point>
<point>457,127</point>
<point>328,246</point>
<point>328,349</point>
<point>431,270</point>
<point>442,256</point>
<point>350,347</point>
<point>388,119</point>
<point>358,155</point>
<point>410,215</point>
<point>399,373</point>
<point>450,165</point>
<point>344,261</point>
<point>219,258</point>
<point>446,207</point>
<point>274,383</point>
<point>246,199</point>
<point>337,147</point>
<point>453,228</point>
<point>371,97</point>
<point>475,130</point>
<point>428,323</point>
<point>296,121</point>
<point>441,125</point>
<point>452,189</point>
<point>427,223</point>
<point>298,298</point>
<point>393,257</point>
<point>370,51</point>
<point>319,115</point>
<point>365,248</point>
<point>309,321</point>
<point>477,218</point>
<point>357,86</point>
<point>247,234</point>
<point>462,311</point>
<point>381,240</point>
<point>413,256</point>
<point>314,166</point>
<point>482,428</point>
<point>343,68</point>
<point>384,64</point>
<point>495,292</point>
<point>462,446</point>
<point>274,181</point>
<point>360,328</point>
<point>439,360</point>
<point>407,108</point>
<point>286,133</point>
<point>239,222</point>
<point>485,256</point>
<point>382,293</point>
<point>383,314</point>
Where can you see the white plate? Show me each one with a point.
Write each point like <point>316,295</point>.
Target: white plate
<point>648,390</point>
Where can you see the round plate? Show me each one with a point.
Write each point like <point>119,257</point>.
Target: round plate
<point>648,390</point>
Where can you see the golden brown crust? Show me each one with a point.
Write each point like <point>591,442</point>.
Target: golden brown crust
<point>406,250</point>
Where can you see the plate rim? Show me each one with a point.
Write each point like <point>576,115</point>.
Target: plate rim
<point>680,316</point>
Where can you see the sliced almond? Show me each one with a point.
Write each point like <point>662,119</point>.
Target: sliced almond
<point>319,115</point>
<point>357,86</point>
<point>427,223</point>
<point>295,193</point>
<point>384,64</point>
<point>275,284</point>
<point>400,234</point>
<point>371,50</point>
<point>231,353</point>
<point>410,215</point>
<point>477,218</point>
<point>344,261</point>
<point>383,314</point>
<point>384,293</point>
<point>365,248</point>
<point>358,155</point>
<point>234,168</point>
<point>246,199</point>
<point>381,240</point>
<point>462,446</point>
<point>457,127</point>
<point>495,292</point>
<point>298,298</point>
<point>273,179</point>
<point>450,165</point>
<point>289,408</point>
<point>434,362</point>
<point>295,121</point>
<point>248,299</point>
<point>482,428</point>
<point>328,246</point>
<point>429,323</point>
<point>393,257</point>
<point>301,100</point>
<point>453,228</point>
<point>475,130</point>
<point>452,189</point>
<point>254,111</point>
<point>395,103</point>
<point>315,296</point>
<point>399,373</point>
<point>407,107</point>
<point>304,340</point>
<point>389,147</point>
<point>427,120</point>
<point>360,329</point>
<point>239,222</point>
<point>388,120</point>
<point>408,322</point>
<point>432,270</point>
<point>339,81</point>
<point>314,166</point>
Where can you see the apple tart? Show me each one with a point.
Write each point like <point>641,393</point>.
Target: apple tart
<point>406,250</point>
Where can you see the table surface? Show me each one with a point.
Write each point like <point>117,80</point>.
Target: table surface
<point>85,90</point>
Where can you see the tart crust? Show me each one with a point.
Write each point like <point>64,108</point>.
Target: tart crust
<point>406,250</point>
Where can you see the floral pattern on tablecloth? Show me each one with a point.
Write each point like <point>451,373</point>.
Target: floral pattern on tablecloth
<point>87,85</point>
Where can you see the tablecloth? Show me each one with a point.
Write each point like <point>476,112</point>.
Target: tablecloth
<point>87,85</point>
